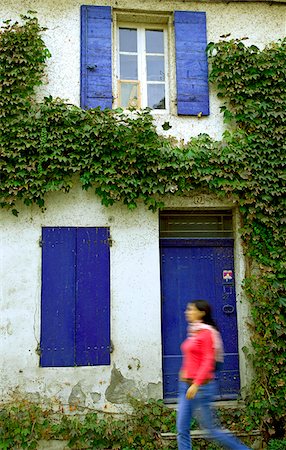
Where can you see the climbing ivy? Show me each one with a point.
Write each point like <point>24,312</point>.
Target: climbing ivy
<point>252,84</point>
<point>24,423</point>
<point>49,145</point>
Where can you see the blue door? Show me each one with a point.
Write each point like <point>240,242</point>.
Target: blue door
<point>198,269</point>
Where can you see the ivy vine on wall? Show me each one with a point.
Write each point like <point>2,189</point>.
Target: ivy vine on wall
<point>46,145</point>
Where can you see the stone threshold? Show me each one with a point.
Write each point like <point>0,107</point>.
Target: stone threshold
<point>227,404</point>
<point>201,434</point>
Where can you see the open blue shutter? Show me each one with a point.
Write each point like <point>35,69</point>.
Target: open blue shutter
<point>93,297</point>
<point>96,68</point>
<point>191,63</point>
<point>58,299</point>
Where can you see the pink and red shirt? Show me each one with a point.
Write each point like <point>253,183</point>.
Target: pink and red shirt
<point>198,357</point>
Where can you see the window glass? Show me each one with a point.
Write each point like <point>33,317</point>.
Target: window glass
<point>155,68</point>
<point>129,95</point>
<point>128,67</point>
<point>211,224</point>
<point>141,67</point>
<point>154,41</point>
<point>156,96</point>
<point>127,40</point>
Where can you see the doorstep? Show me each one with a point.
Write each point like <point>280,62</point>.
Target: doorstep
<point>227,404</point>
<point>202,434</point>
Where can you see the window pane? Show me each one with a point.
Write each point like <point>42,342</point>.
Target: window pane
<point>195,224</point>
<point>155,68</point>
<point>129,95</point>
<point>156,96</point>
<point>154,41</point>
<point>127,40</point>
<point>128,67</point>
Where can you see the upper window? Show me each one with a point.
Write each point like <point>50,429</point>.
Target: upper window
<point>125,62</point>
<point>142,67</point>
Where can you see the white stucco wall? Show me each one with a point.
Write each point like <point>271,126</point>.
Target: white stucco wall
<point>135,265</point>
<point>260,22</point>
<point>135,296</point>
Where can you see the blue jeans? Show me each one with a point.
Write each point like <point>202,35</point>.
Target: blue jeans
<point>202,402</point>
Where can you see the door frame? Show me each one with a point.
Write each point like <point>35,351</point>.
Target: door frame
<point>229,377</point>
<point>241,270</point>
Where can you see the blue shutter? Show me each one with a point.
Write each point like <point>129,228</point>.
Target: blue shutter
<point>191,63</point>
<point>96,68</point>
<point>93,297</point>
<point>75,310</point>
<point>58,301</point>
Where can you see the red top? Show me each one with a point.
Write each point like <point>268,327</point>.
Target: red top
<point>198,357</point>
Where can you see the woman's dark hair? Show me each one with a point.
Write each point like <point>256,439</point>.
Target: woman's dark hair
<point>203,305</point>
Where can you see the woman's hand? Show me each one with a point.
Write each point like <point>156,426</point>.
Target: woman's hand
<point>192,391</point>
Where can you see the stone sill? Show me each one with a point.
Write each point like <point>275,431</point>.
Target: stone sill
<point>53,445</point>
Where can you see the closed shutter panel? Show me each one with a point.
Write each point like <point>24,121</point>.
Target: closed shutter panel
<point>75,312</point>
<point>93,297</point>
<point>58,299</point>
<point>191,63</point>
<point>96,69</point>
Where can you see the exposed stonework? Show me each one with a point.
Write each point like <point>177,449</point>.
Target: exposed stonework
<point>95,396</point>
<point>154,390</point>
<point>77,397</point>
<point>120,388</point>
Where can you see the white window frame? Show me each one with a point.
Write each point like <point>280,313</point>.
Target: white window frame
<point>141,26</point>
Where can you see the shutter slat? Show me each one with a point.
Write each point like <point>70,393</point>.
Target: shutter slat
<point>58,306</point>
<point>191,63</point>
<point>96,69</point>
<point>93,297</point>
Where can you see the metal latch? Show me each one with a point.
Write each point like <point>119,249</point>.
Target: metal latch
<point>110,241</point>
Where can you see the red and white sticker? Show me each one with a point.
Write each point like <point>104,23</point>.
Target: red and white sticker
<point>227,275</point>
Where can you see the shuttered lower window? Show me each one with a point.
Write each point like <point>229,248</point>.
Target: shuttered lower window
<point>191,64</point>
<point>75,304</point>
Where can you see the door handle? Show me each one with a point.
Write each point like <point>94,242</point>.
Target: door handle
<point>228,309</point>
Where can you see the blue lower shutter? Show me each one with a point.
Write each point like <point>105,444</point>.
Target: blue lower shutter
<point>93,297</point>
<point>58,299</point>
<point>96,51</point>
<point>75,308</point>
<point>191,63</point>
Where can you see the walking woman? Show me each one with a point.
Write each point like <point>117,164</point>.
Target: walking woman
<point>201,350</point>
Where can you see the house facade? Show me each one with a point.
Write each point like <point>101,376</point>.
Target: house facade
<point>93,297</point>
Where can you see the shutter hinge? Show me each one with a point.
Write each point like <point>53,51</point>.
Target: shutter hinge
<point>110,241</point>
<point>38,350</point>
<point>91,67</point>
<point>111,348</point>
<point>41,242</point>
